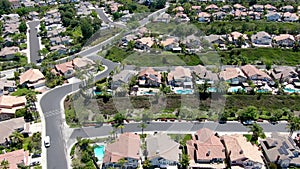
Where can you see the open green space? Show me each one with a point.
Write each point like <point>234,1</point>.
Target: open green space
<point>225,27</point>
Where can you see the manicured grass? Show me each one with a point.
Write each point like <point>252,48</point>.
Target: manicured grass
<point>23,92</point>
<point>248,137</point>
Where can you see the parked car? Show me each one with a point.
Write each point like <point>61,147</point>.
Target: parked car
<point>47,141</point>
<point>247,122</point>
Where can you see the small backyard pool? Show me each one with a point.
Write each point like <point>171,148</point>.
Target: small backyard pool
<point>99,152</point>
<point>184,91</point>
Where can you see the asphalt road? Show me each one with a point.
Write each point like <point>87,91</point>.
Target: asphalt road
<point>34,41</point>
<point>177,127</point>
<point>50,104</point>
<point>106,20</point>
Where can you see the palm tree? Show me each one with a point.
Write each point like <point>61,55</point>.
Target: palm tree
<point>121,127</point>
<point>142,126</point>
<point>122,162</point>
<point>4,164</point>
<point>146,164</point>
<point>294,124</point>
<point>257,132</point>
<point>17,138</point>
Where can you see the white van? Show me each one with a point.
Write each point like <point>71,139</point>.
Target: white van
<point>47,141</point>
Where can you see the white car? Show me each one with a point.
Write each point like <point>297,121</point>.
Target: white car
<point>47,141</point>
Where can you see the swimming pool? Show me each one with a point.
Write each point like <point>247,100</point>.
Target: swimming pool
<point>184,91</point>
<point>212,89</point>
<point>149,93</point>
<point>236,89</point>
<point>288,90</point>
<point>262,91</point>
<point>99,152</point>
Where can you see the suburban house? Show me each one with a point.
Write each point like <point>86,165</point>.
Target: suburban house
<point>238,14</point>
<point>60,49</point>
<point>203,17</point>
<point>205,150</point>
<point>149,77</point>
<point>290,17</point>
<point>239,7</point>
<point>162,151</point>
<point>196,8</point>
<point>233,76</point>
<point>169,43</point>
<point>219,15</point>
<point>180,76</point>
<point>281,150</point>
<point>7,86</point>
<point>15,158</point>
<point>254,15</point>
<point>123,77</point>
<point>165,18</point>
<point>233,37</point>
<point>273,16</point>
<point>127,147</point>
<point>261,38</point>
<point>181,17</point>
<point>285,74</point>
<point>178,9</point>
<point>288,8</point>
<point>212,7</point>
<point>144,43</point>
<point>216,39</point>
<point>284,40</point>
<point>9,52</point>
<point>64,69</point>
<point>7,127</point>
<point>269,7</point>
<point>258,8</point>
<point>241,152</point>
<point>9,105</point>
<point>255,74</point>
<point>203,75</point>
<point>15,4</point>
<point>226,8</point>
<point>32,78</point>
<point>83,63</point>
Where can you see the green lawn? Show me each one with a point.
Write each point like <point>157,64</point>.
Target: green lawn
<point>22,92</point>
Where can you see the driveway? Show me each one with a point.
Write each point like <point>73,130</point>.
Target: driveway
<point>34,44</point>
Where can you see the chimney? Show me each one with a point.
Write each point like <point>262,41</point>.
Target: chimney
<point>208,153</point>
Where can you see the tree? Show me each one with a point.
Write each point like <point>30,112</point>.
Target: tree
<point>5,7</point>
<point>142,126</point>
<point>22,27</point>
<point>294,124</point>
<point>122,162</point>
<point>4,164</point>
<point>17,139</point>
<point>250,113</point>
<point>119,119</point>
<point>146,164</point>
<point>185,160</point>
<point>257,132</point>
<point>121,127</point>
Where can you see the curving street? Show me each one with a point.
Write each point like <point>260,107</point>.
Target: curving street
<point>50,104</point>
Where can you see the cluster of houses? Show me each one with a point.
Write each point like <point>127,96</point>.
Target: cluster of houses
<point>259,39</point>
<point>54,28</point>
<point>238,11</point>
<point>181,80</point>
<point>206,149</point>
<point>84,8</point>
<point>10,47</point>
<point>32,3</point>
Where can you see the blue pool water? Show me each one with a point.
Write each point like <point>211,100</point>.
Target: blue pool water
<point>235,89</point>
<point>184,91</point>
<point>288,90</point>
<point>99,152</point>
<point>212,89</point>
<point>149,93</point>
<point>97,93</point>
<point>262,91</point>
